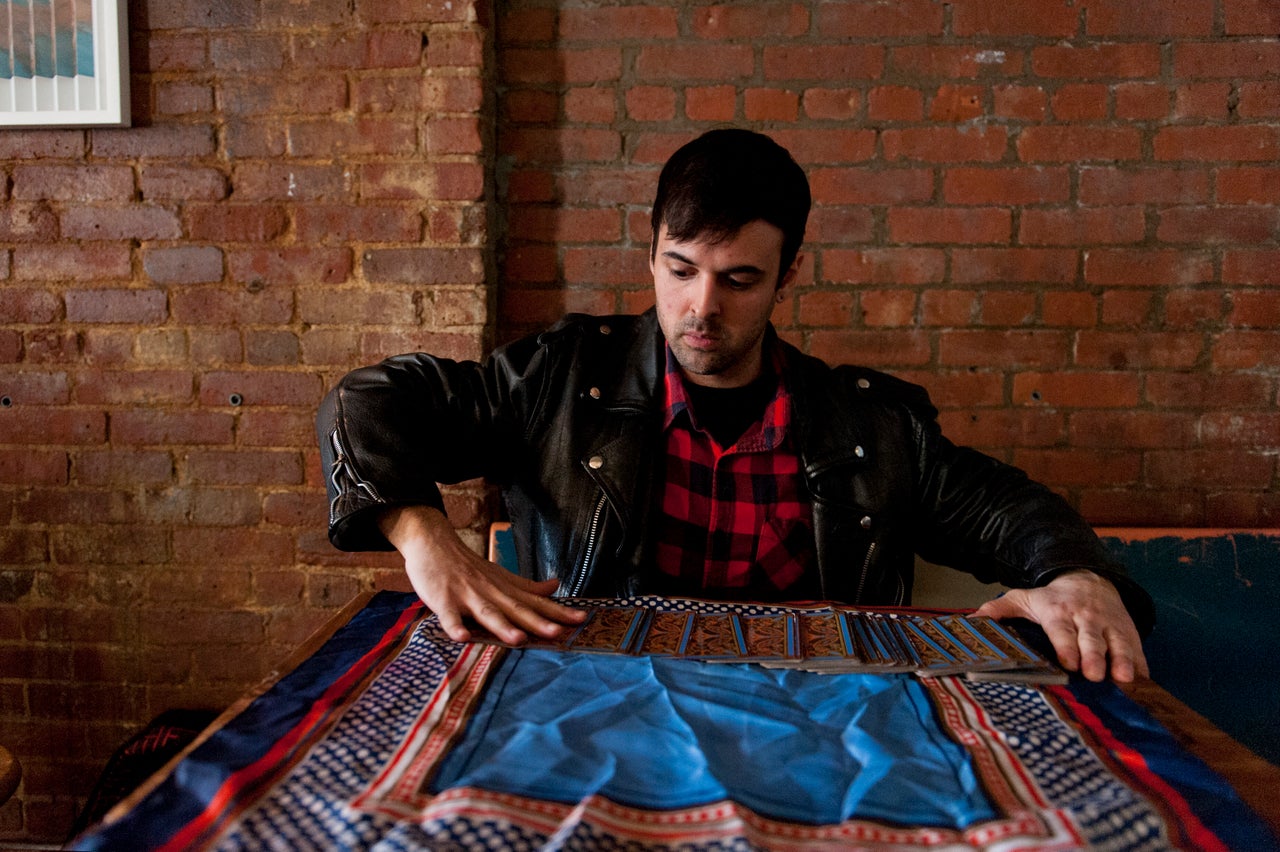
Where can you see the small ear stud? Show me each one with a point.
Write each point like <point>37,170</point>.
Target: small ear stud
<point>780,298</point>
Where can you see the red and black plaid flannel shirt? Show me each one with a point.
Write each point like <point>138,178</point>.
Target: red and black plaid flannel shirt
<point>735,521</point>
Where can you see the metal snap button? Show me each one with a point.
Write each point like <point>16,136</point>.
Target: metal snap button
<point>595,462</point>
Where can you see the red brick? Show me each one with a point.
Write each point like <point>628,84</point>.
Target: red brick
<point>19,144</point>
<point>826,308</point>
<point>882,349</point>
<point>841,226</point>
<point>1141,101</point>
<point>906,18</point>
<point>344,223</point>
<point>1022,103</point>
<point>565,224</point>
<point>582,66</point>
<point>1077,389</point>
<point>1157,267</point>
<point>34,223</point>
<point>291,182</point>
<point>415,11</point>
<point>176,141</point>
<point>997,431</point>
<point>522,25</point>
<point>887,308</point>
<point>134,387</point>
<point>1088,467</point>
<point>123,467</point>
<point>1237,429</point>
<point>1259,100</point>
<point>1004,185</point>
<point>184,183</point>
<point>116,306</point>
<point>1128,307</point>
<point>606,266</point>
<point>945,144</point>
<point>1251,267</point>
<point>32,387</point>
<point>1199,225</point>
<point>651,103</point>
<point>1074,143</point>
<point>1124,350</point>
<point>1045,18</point>
<point>895,103</point>
<point>1194,308</point>
<point>1098,61</point>
<point>831,104</point>
<point>23,467</point>
<point>744,21</point>
<point>233,307</point>
<point>135,222</point>
<point>402,94</point>
<point>260,388</point>
<point>1108,185</point>
<point>1177,18</point>
<point>1243,509</point>
<point>909,267</point>
<point>1222,390</point>
<point>865,186</point>
<point>1202,100</point>
<point>537,145</point>
<point>1198,468</point>
<point>251,98</point>
<point>949,225</point>
<point>1080,102</point>
<point>244,467</point>
<point>1007,309</point>
<point>1082,226</point>
<point>423,266</point>
<point>1209,144</point>
<point>80,184</point>
<point>818,62</point>
<point>442,136</point>
<point>770,105</point>
<point>948,307</point>
<point>981,266</point>
<point>621,23</point>
<point>1248,185</point>
<point>1251,17</point>
<point>374,346</point>
<point>1224,58</point>
<point>458,49</point>
<point>1246,350</point>
<point>1015,348</point>
<point>184,264</point>
<point>291,265</point>
<point>954,104</point>
<point>1257,309</point>
<point>368,135</point>
<point>710,103</point>
<point>28,306</point>
<point>591,105</point>
<point>1131,430</point>
<point>451,94</point>
<point>1143,506</point>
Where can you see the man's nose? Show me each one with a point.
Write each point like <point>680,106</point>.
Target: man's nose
<point>704,298</point>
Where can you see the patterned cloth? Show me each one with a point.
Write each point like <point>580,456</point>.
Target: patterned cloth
<point>735,521</point>
<point>391,737</point>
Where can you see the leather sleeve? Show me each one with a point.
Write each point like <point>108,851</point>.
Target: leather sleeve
<point>390,432</point>
<point>990,519</point>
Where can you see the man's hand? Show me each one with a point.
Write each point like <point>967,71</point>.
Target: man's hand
<point>455,583</point>
<point>1084,618</point>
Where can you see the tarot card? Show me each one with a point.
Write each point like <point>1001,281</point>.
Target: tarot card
<point>667,634</point>
<point>824,636</point>
<point>715,636</point>
<point>608,629</point>
<point>772,636</point>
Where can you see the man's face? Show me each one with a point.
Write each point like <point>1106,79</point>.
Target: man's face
<point>714,301</point>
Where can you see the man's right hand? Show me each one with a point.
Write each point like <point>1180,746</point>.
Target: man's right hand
<point>455,583</point>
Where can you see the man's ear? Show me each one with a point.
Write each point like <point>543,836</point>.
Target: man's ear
<point>789,277</point>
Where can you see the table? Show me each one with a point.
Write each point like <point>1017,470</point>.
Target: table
<point>388,735</point>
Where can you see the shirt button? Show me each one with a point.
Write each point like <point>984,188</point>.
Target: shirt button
<point>594,393</point>
<point>604,329</point>
<point>859,452</point>
<point>864,384</point>
<point>865,522</point>
<point>595,462</point>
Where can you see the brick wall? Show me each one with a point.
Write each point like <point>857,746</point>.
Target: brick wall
<point>304,191</point>
<point>1062,217</point>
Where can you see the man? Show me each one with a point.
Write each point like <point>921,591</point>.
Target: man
<point>690,451</point>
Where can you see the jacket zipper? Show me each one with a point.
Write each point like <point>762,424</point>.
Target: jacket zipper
<point>343,477</point>
<point>866,566</point>
<point>593,532</point>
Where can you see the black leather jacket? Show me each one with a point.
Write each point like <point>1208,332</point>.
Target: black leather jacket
<point>568,422</point>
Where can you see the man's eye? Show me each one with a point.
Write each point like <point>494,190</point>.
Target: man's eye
<point>681,272</point>
<point>740,284</point>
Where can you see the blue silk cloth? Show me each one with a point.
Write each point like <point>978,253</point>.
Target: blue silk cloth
<point>392,737</point>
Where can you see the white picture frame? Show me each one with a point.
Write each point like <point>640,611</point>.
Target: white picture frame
<point>64,63</point>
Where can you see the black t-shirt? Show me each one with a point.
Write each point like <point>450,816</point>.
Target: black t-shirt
<point>726,413</point>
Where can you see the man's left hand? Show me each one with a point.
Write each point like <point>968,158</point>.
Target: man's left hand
<point>1084,618</point>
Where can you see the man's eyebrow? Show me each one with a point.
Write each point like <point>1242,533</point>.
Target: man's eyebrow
<point>736,270</point>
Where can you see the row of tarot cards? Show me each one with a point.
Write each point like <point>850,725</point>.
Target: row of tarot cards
<point>825,639</point>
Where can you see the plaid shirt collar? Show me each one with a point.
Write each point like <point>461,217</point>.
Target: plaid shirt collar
<point>764,435</point>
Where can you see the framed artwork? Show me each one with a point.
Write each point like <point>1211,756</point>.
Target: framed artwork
<point>63,63</point>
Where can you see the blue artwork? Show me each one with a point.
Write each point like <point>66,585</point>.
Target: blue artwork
<point>46,38</point>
